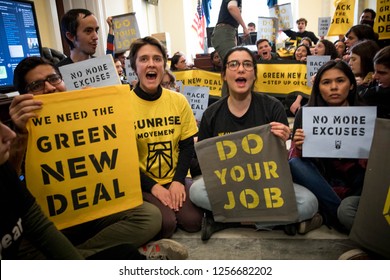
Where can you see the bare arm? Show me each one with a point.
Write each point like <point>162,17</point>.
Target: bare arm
<point>236,14</point>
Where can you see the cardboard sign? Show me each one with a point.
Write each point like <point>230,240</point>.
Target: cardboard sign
<point>95,72</point>
<point>284,15</point>
<point>371,227</point>
<point>338,132</point>
<point>323,25</point>
<point>247,177</point>
<point>125,31</point>
<point>314,62</point>
<point>82,159</point>
<point>342,19</point>
<point>267,28</point>
<point>198,97</point>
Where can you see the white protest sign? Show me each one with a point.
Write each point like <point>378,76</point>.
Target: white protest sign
<point>284,14</point>
<point>338,132</point>
<point>198,97</point>
<point>179,85</point>
<point>314,62</point>
<point>323,25</point>
<point>94,72</point>
<point>267,28</point>
<point>131,75</point>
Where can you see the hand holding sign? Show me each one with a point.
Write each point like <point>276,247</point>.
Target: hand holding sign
<point>96,72</point>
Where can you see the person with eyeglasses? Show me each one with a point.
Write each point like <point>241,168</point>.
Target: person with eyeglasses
<point>179,62</point>
<point>169,81</point>
<point>131,229</point>
<point>224,36</point>
<point>242,109</point>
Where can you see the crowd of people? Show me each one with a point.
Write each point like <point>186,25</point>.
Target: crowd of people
<point>327,190</point>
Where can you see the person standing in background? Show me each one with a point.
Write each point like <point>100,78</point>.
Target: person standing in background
<point>224,34</point>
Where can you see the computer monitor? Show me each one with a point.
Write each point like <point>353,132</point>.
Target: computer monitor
<point>251,40</point>
<point>19,38</point>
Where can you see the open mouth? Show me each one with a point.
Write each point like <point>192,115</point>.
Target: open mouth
<point>151,75</point>
<point>241,81</point>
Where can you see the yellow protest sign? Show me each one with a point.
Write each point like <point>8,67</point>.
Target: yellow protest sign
<point>201,78</point>
<point>382,23</point>
<point>282,78</point>
<point>275,78</point>
<point>82,160</point>
<point>343,16</point>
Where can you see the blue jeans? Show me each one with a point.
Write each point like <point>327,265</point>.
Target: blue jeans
<point>307,204</point>
<point>306,173</point>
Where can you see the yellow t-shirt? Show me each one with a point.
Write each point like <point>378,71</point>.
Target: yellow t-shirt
<point>159,126</point>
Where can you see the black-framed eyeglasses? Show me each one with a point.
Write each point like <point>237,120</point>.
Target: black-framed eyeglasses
<point>39,85</point>
<point>234,64</point>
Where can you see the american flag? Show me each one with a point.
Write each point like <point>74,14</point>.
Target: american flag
<point>199,24</point>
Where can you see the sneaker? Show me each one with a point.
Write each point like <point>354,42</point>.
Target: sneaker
<point>354,254</point>
<point>309,225</point>
<point>164,249</point>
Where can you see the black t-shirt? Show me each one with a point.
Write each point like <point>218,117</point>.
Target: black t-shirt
<point>218,120</point>
<point>65,61</point>
<point>224,15</point>
<point>15,201</point>
<point>380,97</point>
<point>294,35</point>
